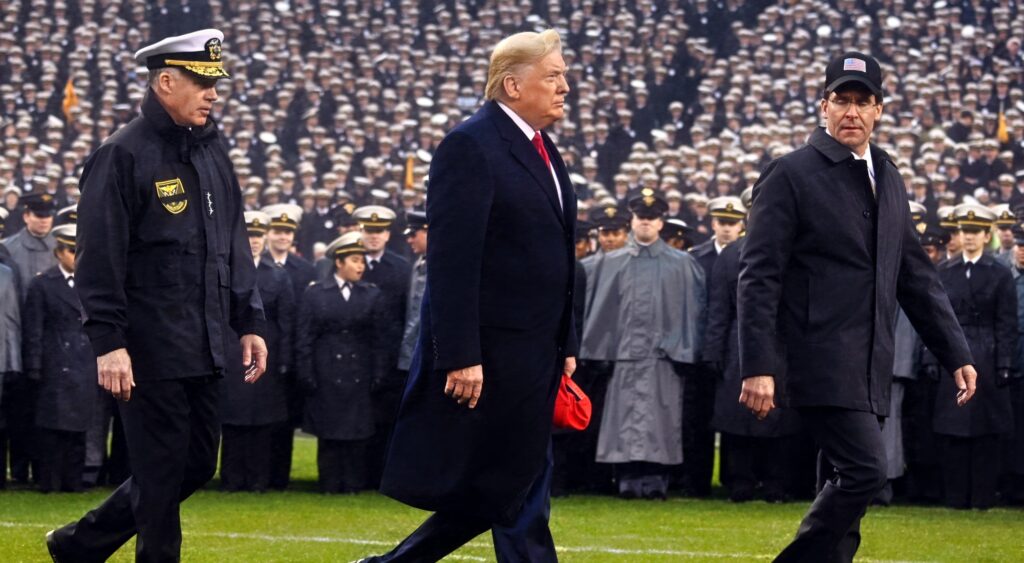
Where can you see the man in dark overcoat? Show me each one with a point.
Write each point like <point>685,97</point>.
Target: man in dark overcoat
<point>250,413</point>
<point>831,252</point>
<point>472,440</point>
<point>166,280</point>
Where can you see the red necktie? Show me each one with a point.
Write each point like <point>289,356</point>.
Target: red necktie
<point>538,143</point>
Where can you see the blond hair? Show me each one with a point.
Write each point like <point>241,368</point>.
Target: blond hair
<point>514,53</point>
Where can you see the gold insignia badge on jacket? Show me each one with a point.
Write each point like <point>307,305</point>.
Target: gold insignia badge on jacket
<point>172,195</point>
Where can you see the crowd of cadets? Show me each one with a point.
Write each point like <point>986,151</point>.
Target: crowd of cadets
<point>658,356</point>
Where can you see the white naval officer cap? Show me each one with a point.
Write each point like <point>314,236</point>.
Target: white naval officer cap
<point>198,52</point>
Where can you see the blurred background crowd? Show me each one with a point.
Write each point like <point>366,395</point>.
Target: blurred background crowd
<point>335,105</point>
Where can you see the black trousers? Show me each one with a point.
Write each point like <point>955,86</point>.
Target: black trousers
<point>117,468</point>
<point>19,406</point>
<point>527,540</point>
<point>851,470</point>
<point>970,471</point>
<point>172,429</point>
<point>698,437</point>
<point>342,465</point>
<point>753,461</point>
<point>61,456</point>
<point>245,457</point>
<point>282,441</point>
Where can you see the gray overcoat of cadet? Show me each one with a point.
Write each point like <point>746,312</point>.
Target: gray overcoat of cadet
<point>906,350</point>
<point>646,316</point>
<point>33,255</point>
<point>414,301</point>
<point>58,353</point>
<point>722,348</point>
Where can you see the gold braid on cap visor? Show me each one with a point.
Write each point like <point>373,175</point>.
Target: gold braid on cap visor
<point>202,68</point>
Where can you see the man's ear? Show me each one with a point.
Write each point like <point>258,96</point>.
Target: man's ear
<point>511,87</point>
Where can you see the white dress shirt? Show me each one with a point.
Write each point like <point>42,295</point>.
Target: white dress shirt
<point>529,132</point>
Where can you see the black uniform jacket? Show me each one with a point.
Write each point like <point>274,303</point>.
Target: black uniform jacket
<point>163,256</point>
<point>55,347</point>
<point>339,356</point>
<point>822,273</point>
<point>986,305</point>
<point>500,285</point>
<point>721,348</point>
<point>266,401</point>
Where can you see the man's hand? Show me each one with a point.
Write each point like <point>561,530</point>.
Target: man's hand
<point>758,395</point>
<point>966,381</point>
<point>115,373</point>
<point>254,357</point>
<point>465,385</point>
<point>570,366</point>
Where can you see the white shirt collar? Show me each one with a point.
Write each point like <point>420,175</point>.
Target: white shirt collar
<point>519,121</point>
<point>66,273</point>
<point>341,282</point>
<point>974,260</point>
<point>718,247</point>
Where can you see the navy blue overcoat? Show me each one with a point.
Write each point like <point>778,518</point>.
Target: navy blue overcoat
<point>500,269</point>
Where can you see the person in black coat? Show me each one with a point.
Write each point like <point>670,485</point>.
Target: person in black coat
<point>249,413</point>
<point>984,299</point>
<point>166,281</point>
<point>754,454</point>
<point>822,273</point>
<point>284,221</point>
<point>340,356</point>
<point>727,216</point>
<point>497,330</point>
<point>58,358</point>
<point>390,272</point>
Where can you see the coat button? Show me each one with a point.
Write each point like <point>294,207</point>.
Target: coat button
<point>337,356</point>
<point>867,214</point>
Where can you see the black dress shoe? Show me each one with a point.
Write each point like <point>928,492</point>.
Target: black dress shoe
<point>51,546</point>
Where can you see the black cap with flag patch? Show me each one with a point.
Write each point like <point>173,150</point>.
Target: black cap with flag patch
<point>854,67</point>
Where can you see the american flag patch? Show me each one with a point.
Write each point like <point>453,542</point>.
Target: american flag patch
<point>855,64</point>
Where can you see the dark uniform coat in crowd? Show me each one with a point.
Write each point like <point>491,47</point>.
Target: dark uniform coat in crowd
<point>58,352</point>
<point>32,255</point>
<point>391,275</point>
<point>266,401</point>
<point>164,286</point>
<point>986,306</point>
<point>339,357</point>
<point>500,268</point>
<point>417,287</point>
<point>816,286</point>
<point>300,271</point>
<point>721,349</point>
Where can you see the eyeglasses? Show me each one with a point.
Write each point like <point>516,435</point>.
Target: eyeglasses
<point>843,103</point>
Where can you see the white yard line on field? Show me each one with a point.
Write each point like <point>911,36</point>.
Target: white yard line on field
<point>595,549</point>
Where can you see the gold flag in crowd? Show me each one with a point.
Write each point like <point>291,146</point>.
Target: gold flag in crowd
<point>70,99</point>
<point>409,161</point>
<point>1002,133</point>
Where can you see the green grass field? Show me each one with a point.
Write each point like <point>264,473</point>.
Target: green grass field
<point>303,525</point>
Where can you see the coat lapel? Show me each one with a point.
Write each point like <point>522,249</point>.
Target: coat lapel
<point>522,150</point>
<point>568,192</point>
<point>64,291</point>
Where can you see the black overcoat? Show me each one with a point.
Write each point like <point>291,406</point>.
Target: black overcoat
<point>339,356</point>
<point>500,269</point>
<point>722,348</point>
<point>164,267</point>
<point>822,272</point>
<point>55,346</point>
<point>986,305</point>
<point>266,401</point>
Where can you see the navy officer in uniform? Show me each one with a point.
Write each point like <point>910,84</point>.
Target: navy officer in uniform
<point>285,219</point>
<point>166,279</point>
<point>250,413</point>
<point>58,359</point>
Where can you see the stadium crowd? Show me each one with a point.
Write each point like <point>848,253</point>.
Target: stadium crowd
<point>332,114</point>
